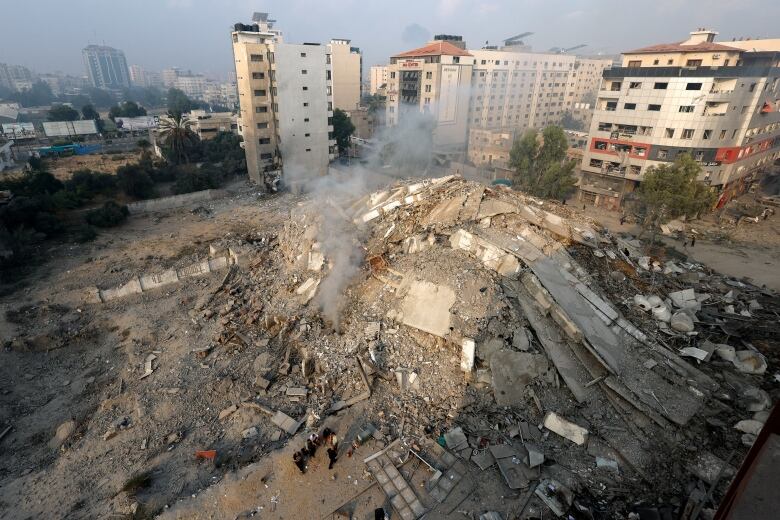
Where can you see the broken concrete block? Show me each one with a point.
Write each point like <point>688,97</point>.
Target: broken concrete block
<point>512,371</point>
<point>641,301</point>
<point>560,317</point>
<point>534,455</point>
<point>681,322</point>
<point>662,313</point>
<point>555,423</point>
<point>467,353</point>
<point>426,306</point>
<point>249,433</point>
<point>726,352</point>
<point>555,495</point>
<point>539,293</point>
<point>285,422</point>
<point>316,260</point>
<point>296,392</point>
<point>708,467</point>
<point>262,382</point>
<point>754,400</point>
<point>308,289</point>
<point>521,339</point>
<point>64,431</point>
<point>227,411</point>
<point>749,362</point>
<point>749,426</point>
<point>694,352</point>
<point>681,298</point>
<point>610,464</point>
<point>455,439</point>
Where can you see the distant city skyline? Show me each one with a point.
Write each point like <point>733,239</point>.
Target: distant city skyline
<point>195,34</point>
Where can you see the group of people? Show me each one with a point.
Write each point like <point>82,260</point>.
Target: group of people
<point>315,440</point>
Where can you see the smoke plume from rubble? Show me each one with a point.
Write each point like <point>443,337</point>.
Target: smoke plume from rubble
<point>403,151</point>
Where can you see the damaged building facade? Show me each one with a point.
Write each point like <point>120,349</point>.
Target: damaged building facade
<point>286,104</point>
<point>717,101</point>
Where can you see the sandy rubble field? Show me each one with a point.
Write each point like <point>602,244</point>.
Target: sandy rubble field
<point>440,321</point>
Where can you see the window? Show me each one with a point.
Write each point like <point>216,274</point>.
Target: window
<point>655,62</point>
<point>611,106</point>
<point>669,61</point>
<point>303,55</point>
<point>663,154</point>
<point>392,75</point>
<point>630,106</point>
<point>266,155</point>
<point>698,156</point>
<point>744,108</point>
<point>264,140</point>
<point>723,134</point>
<point>306,119</point>
<point>256,57</point>
<point>686,108</point>
<point>693,86</point>
<point>306,104</point>
<point>752,87</point>
<point>262,125</point>
<point>726,63</point>
<point>635,84</point>
<point>327,75</point>
<point>693,63</point>
<point>260,92</point>
<point>616,86</point>
<point>660,86</point>
<point>654,108</point>
<point>427,88</point>
<point>605,127</point>
<point>305,88</point>
<point>308,149</point>
<point>635,63</point>
<point>304,71</point>
<point>687,133</point>
<point>306,135</point>
<point>429,75</point>
<point>261,110</point>
<point>734,134</point>
<point>707,134</point>
<point>669,133</point>
<point>258,75</point>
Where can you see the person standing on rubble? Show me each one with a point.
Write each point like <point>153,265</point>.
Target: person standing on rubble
<point>332,441</point>
<point>311,443</point>
<point>693,240</point>
<point>298,460</point>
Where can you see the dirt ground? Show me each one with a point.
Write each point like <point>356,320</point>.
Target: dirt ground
<point>63,167</point>
<point>91,439</point>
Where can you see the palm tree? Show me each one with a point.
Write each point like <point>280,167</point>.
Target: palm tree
<point>177,136</point>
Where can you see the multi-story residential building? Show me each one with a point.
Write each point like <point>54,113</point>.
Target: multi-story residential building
<point>285,103</point>
<point>193,85</point>
<point>13,77</point>
<point>208,124</point>
<point>224,94</point>
<point>168,77</point>
<point>716,101</point>
<point>520,89</point>
<point>106,67</point>
<point>346,74</point>
<point>378,80</point>
<point>138,76</point>
<point>435,80</point>
<point>491,147</point>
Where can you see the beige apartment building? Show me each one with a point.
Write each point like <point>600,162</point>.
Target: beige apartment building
<point>378,75</point>
<point>718,102</point>
<point>285,104</point>
<point>435,80</point>
<point>347,71</point>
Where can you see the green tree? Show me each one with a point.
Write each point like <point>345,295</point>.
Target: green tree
<point>672,190</point>
<point>180,143</point>
<point>100,98</point>
<point>541,168</point>
<point>135,181</point>
<point>62,113</point>
<point>88,112</point>
<point>178,102</point>
<point>343,128</point>
<point>126,109</point>
<point>39,95</point>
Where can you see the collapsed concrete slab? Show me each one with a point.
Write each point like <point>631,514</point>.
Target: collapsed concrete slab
<point>426,306</point>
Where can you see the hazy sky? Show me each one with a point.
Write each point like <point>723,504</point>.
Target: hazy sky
<point>48,35</point>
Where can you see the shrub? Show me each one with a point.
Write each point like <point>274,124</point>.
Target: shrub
<point>110,215</point>
<point>84,233</point>
<point>190,178</point>
<point>87,184</point>
<point>135,181</point>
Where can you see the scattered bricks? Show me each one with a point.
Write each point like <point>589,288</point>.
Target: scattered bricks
<point>206,454</point>
<point>285,422</point>
<point>535,455</point>
<point>261,382</point>
<point>467,355</point>
<point>297,392</point>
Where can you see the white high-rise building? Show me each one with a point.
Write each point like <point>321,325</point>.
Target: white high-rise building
<point>378,79</point>
<point>106,67</point>
<point>286,106</point>
<point>346,72</point>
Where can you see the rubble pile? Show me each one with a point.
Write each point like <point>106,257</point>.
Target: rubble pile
<point>506,330</point>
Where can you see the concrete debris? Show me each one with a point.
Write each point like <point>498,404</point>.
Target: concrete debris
<point>227,412</point>
<point>610,464</point>
<point>426,306</point>
<point>750,362</point>
<point>555,495</point>
<point>512,371</point>
<point>64,431</point>
<point>749,426</point>
<point>308,289</point>
<point>681,322</point>
<point>575,433</point>
<point>148,366</point>
<point>694,352</point>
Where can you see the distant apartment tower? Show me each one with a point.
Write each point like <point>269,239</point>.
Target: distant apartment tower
<point>106,67</point>
<point>286,106</point>
<point>718,102</point>
<point>15,77</point>
<point>435,80</point>
<point>193,85</point>
<point>346,74</point>
<point>516,89</point>
<point>378,79</point>
<point>168,77</point>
